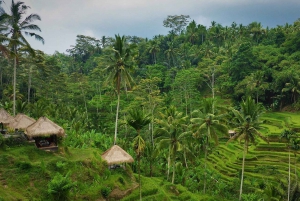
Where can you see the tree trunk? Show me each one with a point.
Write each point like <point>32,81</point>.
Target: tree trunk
<point>117,116</point>
<point>173,176</point>
<point>140,186</point>
<point>151,167</point>
<point>243,167</point>
<point>14,85</point>
<point>213,83</point>
<point>1,76</point>
<point>185,161</point>
<point>152,120</point>
<point>169,159</point>
<point>205,158</point>
<point>186,102</point>
<point>296,177</point>
<point>29,84</point>
<point>289,185</point>
<point>85,105</point>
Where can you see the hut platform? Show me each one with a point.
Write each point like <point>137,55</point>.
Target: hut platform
<point>53,148</point>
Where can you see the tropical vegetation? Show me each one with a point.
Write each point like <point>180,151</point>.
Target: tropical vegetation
<point>169,101</point>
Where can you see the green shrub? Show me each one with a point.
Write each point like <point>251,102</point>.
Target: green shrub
<point>60,186</point>
<point>106,174</point>
<point>105,191</point>
<point>24,165</point>
<point>121,180</point>
<point>60,164</point>
<point>2,142</point>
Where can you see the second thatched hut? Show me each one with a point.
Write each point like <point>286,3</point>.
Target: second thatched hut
<point>44,132</point>
<point>21,122</point>
<point>116,155</point>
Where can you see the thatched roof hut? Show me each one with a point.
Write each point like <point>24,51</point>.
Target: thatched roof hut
<point>21,121</point>
<point>231,133</point>
<point>44,127</point>
<point>5,117</point>
<point>116,155</point>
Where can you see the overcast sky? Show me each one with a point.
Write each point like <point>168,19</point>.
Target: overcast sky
<point>62,20</point>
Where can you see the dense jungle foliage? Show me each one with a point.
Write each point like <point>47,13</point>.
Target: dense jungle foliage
<point>170,100</point>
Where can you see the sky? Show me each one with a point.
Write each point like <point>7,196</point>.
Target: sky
<point>63,20</point>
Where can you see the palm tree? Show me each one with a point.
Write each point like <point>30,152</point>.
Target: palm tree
<point>293,86</point>
<point>246,123</point>
<point>208,125</point>
<point>154,48</point>
<point>192,32</point>
<point>171,54</point>
<point>287,135</point>
<point>14,26</point>
<point>171,134</point>
<point>256,30</point>
<point>138,120</point>
<point>118,70</point>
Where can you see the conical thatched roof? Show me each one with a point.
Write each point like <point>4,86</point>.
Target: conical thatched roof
<point>43,127</point>
<point>21,121</point>
<point>116,155</point>
<point>5,117</point>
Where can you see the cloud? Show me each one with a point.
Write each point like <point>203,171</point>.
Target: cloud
<point>62,20</point>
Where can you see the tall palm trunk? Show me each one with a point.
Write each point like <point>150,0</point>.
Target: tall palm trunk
<point>243,167</point>
<point>205,158</point>
<point>289,185</point>
<point>169,161</point>
<point>117,116</point>
<point>296,177</point>
<point>186,102</point>
<point>152,120</point>
<point>29,84</point>
<point>84,100</point>
<point>140,182</point>
<point>173,176</point>
<point>14,85</point>
<point>1,81</point>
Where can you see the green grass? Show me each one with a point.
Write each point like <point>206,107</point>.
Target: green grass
<point>158,189</point>
<point>26,171</point>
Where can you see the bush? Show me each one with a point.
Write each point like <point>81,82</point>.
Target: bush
<point>60,186</point>
<point>121,180</point>
<point>2,141</point>
<point>24,165</point>
<point>105,191</point>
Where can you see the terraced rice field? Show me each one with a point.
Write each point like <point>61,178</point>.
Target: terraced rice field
<point>265,162</point>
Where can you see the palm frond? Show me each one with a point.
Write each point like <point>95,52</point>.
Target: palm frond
<point>30,27</point>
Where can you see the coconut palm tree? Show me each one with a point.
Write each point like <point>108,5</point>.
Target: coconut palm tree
<point>208,125</point>
<point>171,134</point>
<point>293,87</point>
<point>287,135</point>
<point>154,48</point>
<point>138,120</point>
<point>13,26</point>
<point>246,123</point>
<point>118,70</point>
